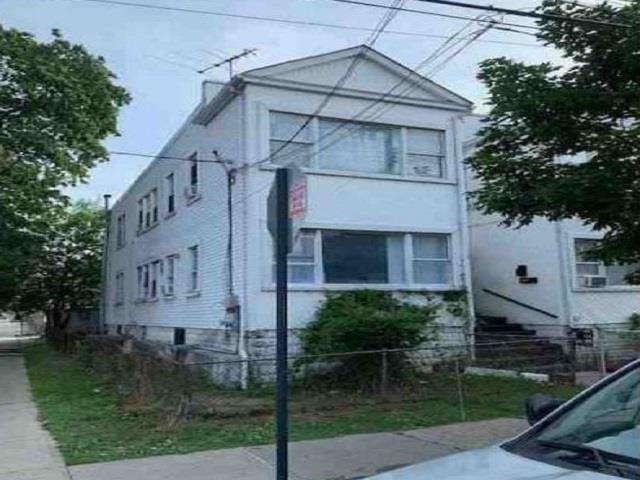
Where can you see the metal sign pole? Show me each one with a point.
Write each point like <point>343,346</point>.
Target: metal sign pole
<point>282,248</point>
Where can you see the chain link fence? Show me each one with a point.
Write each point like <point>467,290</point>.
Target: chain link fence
<point>449,383</point>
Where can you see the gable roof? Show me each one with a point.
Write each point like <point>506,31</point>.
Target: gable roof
<point>376,75</point>
<point>376,72</point>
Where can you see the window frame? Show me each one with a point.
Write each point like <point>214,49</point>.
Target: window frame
<point>408,282</point>
<point>121,230</point>
<point>119,288</point>
<point>413,258</point>
<point>193,279</point>
<point>170,263</point>
<point>602,268</point>
<point>193,187</point>
<point>313,127</point>
<point>170,193</point>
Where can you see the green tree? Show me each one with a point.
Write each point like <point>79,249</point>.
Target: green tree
<point>57,103</point>
<point>65,272</point>
<point>587,106</point>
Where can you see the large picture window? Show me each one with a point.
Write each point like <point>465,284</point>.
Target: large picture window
<point>364,148</point>
<point>331,144</point>
<point>340,257</point>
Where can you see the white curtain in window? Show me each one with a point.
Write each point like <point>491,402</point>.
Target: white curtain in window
<point>359,147</point>
<point>425,153</point>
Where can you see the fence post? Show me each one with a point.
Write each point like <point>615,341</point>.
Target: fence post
<point>463,413</point>
<point>383,373</point>
<point>602,354</point>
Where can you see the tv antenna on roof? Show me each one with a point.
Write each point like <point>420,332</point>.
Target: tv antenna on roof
<point>229,61</point>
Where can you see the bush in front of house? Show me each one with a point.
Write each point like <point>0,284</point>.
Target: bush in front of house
<point>365,320</point>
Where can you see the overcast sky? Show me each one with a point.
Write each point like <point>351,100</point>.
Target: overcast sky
<point>155,54</point>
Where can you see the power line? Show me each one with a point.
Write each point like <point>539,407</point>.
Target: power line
<point>358,116</point>
<point>386,19</point>
<point>297,22</point>
<point>520,13</point>
<point>163,157</point>
<point>435,14</point>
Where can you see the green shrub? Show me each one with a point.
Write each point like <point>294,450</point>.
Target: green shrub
<point>366,320</point>
<point>634,321</point>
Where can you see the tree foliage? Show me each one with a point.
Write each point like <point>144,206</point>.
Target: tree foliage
<point>586,108</point>
<point>367,320</point>
<point>65,273</point>
<point>57,103</point>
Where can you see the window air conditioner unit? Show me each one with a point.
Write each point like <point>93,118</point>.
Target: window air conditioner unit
<point>595,281</point>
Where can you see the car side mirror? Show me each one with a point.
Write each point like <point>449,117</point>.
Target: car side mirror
<point>539,406</point>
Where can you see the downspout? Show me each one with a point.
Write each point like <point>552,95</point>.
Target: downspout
<point>105,266</point>
<point>243,125</point>
<point>463,225</point>
<point>565,277</point>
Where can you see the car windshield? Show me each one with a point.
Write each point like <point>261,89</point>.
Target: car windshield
<point>601,431</point>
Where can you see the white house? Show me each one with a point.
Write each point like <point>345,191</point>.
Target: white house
<point>541,275</point>
<point>190,259</point>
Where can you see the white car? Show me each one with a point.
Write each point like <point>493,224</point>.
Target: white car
<point>594,436</point>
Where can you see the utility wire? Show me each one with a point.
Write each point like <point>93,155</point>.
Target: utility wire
<point>386,19</point>
<point>163,157</point>
<point>298,22</point>
<point>520,13</point>
<point>445,47</point>
<point>423,12</point>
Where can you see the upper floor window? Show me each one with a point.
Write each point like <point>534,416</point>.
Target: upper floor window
<point>140,214</point>
<point>153,205</point>
<point>283,127</point>
<point>170,268</point>
<point>121,230</point>
<point>194,174</point>
<point>332,144</point>
<point>359,148</point>
<point>381,258</point>
<point>143,282</point>
<point>425,153</point>
<point>148,210</point>
<point>119,297</point>
<point>170,184</point>
<point>591,272</point>
<point>194,267</point>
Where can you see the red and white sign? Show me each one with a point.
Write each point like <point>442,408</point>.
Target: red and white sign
<point>298,199</point>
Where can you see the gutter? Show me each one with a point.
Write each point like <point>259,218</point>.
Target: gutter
<point>463,223</point>
<point>243,124</point>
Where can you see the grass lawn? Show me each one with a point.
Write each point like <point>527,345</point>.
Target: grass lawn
<point>92,424</point>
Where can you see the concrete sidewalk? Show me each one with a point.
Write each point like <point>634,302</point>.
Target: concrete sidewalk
<point>344,457</point>
<point>27,452</point>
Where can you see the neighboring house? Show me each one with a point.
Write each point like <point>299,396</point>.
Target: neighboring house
<point>386,205</point>
<point>542,275</point>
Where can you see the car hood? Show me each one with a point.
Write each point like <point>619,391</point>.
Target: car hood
<point>493,463</point>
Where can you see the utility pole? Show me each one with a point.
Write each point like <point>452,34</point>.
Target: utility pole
<point>229,61</point>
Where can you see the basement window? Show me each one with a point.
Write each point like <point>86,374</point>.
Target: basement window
<point>179,336</point>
